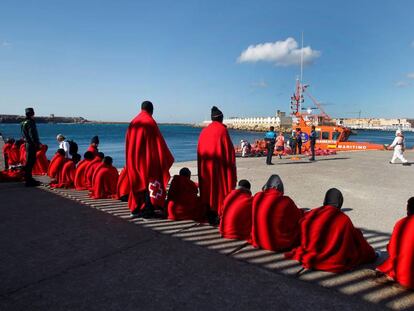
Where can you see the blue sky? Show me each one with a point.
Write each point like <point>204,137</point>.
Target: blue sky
<point>101,59</point>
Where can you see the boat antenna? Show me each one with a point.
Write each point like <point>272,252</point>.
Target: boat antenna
<point>301,63</point>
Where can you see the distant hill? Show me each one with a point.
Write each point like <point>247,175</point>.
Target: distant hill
<point>7,118</point>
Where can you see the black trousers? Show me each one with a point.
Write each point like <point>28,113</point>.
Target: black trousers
<point>30,161</point>
<point>294,145</point>
<point>313,151</point>
<point>300,148</point>
<point>270,149</point>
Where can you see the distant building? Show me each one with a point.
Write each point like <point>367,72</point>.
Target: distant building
<point>376,123</point>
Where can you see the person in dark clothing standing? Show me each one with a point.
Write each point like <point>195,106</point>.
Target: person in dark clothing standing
<point>312,138</point>
<point>270,138</point>
<point>292,142</point>
<point>299,140</point>
<point>31,137</point>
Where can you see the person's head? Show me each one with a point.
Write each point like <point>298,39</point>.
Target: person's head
<point>10,141</point>
<point>274,182</point>
<point>244,184</point>
<point>44,147</point>
<point>313,127</point>
<point>60,138</point>
<point>398,133</point>
<point>76,158</point>
<point>147,106</point>
<point>29,112</point>
<point>298,129</point>
<point>216,114</point>
<point>61,152</point>
<point>272,128</point>
<point>88,155</point>
<point>108,160</point>
<point>410,206</point>
<point>95,141</point>
<point>333,197</point>
<point>101,155</point>
<point>185,172</point>
<point>280,133</point>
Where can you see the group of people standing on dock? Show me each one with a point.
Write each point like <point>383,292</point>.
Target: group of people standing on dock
<point>323,238</point>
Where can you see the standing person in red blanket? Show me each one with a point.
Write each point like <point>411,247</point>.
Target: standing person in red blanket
<point>67,174</point>
<point>275,218</point>
<point>91,169</point>
<point>42,163</point>
<point>236,214</point>
<point>80,178</point>
<point>399,266</point>
<point>329,241</point>
<point>105,180</point>
<point>183,202</point>
<point>93,147</point>
<point>56,164</point>
<point>216,159</point>
<point>148,161</point>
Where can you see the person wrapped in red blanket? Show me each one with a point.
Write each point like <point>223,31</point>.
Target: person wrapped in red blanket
<point>6,150</point>
<point>67,174</point>
<point>216,160</point>
<point>122,189</point>
<point>93,147</point>
<point>399,265</point>
<point>148,161</point>
<point>42,163</point>
<point>56,164</point>
<point>80,178</point>
<point>236,214</point>
<point>183,202</point>
<point>105,180</point>
<point>275,223</point>
<point>329,241</point>
<point>14,153</point>
<point>91,169</point>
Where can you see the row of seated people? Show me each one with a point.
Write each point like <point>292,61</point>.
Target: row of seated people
<point>94,173</point>
<point>14,153</point>
<point>323,238</point>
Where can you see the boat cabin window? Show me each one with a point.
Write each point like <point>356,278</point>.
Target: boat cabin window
<point>335,135</point>
<point>318,134</point>
<point>325,135</point>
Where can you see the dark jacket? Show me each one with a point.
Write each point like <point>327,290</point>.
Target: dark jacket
<point>29,132</point>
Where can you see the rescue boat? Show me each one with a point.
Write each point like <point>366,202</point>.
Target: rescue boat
<point>330,136</point>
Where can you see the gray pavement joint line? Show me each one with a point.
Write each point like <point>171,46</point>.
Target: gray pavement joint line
<point>11,292</point>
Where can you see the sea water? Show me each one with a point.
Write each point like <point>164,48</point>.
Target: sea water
<point>181,139</point>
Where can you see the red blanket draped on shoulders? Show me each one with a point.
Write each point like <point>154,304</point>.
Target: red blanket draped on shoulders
<point>104,182</point>
<point>183,200</point>
<point>275,221</point>
<point>90,171</point>
<point>66,176</point>
<point>55,165</point>
<point>148,161</point>
<point>42,163</point>
<point>14,155</point>
<point>22,153</point>
<point>216,165</point>
<point>80,178</point>
<point>123,189</point>
<point>330,242</point>
<point>400,263</point>
<point>236,215</point>
<point>93,149</point>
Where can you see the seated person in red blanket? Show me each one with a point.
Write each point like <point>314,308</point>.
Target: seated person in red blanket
<point>80,178</point>
<point>183,202</point>
<point>123,187</point>
<point>275,223</point>
<point>236,214</point>
<point>400,264</point>
<point>93,147</point>
<point>56,164</point>
<point>92,167</point>
<point>67,175</point>
<point>105,180</point>
<point>42,163</point>
<point>329,241</point>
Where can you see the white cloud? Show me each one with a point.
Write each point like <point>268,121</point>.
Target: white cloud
<point>410,75</point>
<point>282,53</point>
<point>402,84</point>
<point>260,84</point>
